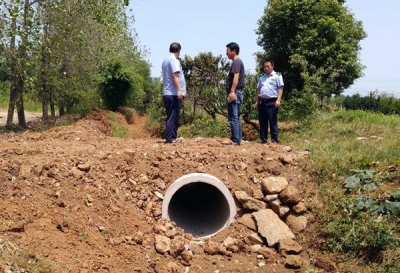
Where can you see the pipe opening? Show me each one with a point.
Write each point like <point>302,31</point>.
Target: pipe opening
<point>200,204</point>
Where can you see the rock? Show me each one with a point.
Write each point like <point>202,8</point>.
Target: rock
<point>243,166</point>
<point>173,268</point>
<point>248,221</point>
<point>138,237</point>
<point>223,251</point>
<point>149,208</point>
<point>271,197</point>
<point>38,169</point>
<point>249,202</point>
<point>177,246</point>
<point>162,244</point>
<point>286,159</point>
<point>160,229</point>
<point>84,167</point>
<point>254,204</point>
<point>242,197</point>
<point>296,223</point>
<point>289,246</point>
<point>290,195</point>
<point>255,248</point>
<point>172,233</point>
<point>271,227</point>
<point>300,208</point>
<point>258,194</point>
<point>143,178</point>
<point>293,262</point>
<point>254,239</point>
<point>278,208</point>
<point>76,173</point>
<point>25,171</point>
<point>266,252</point>
<point>273,184</point>
<point>187,255</point>
<point>159,195</point>
<point>211,248</point>
<point>229,241</point>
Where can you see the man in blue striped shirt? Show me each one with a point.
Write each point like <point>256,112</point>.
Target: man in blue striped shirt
<point>174,91</point>
<point>268,101</point>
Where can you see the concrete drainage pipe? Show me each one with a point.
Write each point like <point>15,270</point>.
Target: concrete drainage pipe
<point>200,204</point>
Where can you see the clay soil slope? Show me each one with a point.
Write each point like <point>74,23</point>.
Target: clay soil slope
<point>86,201</point>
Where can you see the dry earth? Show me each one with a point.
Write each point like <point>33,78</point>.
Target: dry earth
<point>85,201</point>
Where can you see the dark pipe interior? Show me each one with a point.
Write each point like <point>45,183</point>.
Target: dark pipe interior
<point>199,208</point>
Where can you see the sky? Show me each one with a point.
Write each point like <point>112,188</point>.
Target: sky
<point>208,25</point>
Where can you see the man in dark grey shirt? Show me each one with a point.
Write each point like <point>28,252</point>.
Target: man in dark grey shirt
<point>234,91</point>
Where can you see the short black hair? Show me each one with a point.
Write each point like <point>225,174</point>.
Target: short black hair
<point>268,61</point>
<point>174,47</point>
<point>233,47</point>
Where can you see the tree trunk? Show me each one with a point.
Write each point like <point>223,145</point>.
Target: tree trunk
<point>21,78</point>
<point>44,64</point>
<point>14,78</point>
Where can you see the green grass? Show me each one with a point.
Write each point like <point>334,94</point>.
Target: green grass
<point>335,150</point>
<point>118,130</point>
<point>207,127</point>
<point>18,260</point>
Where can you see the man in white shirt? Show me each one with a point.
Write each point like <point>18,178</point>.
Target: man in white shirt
<point>268,101</point>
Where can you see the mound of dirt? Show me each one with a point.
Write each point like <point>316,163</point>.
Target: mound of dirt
<point>86,201</point>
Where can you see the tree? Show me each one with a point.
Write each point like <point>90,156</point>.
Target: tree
<point>314,43</point>
<point>205,75</point>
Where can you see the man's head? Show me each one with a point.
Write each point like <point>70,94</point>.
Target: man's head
<point>232,50</point>
<point>175,48</point>
<point>268,66</point>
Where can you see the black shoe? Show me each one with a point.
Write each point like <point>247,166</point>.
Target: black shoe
<point>262,141</point>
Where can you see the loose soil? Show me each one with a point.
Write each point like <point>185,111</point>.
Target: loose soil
<point>78,197</point>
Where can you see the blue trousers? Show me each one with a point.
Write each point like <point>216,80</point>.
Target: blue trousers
<point>234,117</point>
<point>173,109</point>
<point>268,115</point>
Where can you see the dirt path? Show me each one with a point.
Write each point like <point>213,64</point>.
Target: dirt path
<point>29,116</point>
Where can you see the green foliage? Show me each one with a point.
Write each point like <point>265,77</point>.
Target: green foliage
<point>360,235</point>
<point>4,94</point>
<point>249,112</point>
<point>301,106</point>
<point>355,224</point>
<point>315,44</point>
<point>118,130</point>
<point>375,102</point>
<point>19,260</point>
<point>65,50</point>
<point>205,126</point>
<point>360,179</point>
<point>116,87</point>
<point>205,75</point>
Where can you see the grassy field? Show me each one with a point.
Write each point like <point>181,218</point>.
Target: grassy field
<point>355,157</point>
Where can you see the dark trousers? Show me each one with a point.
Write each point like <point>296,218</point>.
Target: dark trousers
<point>268,115</point>
<point>173,108</point>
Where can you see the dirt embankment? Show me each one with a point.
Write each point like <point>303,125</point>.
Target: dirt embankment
<point>84,200</point>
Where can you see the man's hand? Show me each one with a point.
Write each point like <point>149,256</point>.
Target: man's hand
<point>180,95</point>
<point>231,97</point>
<point>277,104</point>
<point>256,105</point>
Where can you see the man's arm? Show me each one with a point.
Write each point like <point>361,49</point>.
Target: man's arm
<point>257,98</point>
<point>235,82</point>
<point>232,94</point>
<point>278,100</point>
<point>175,78</point>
